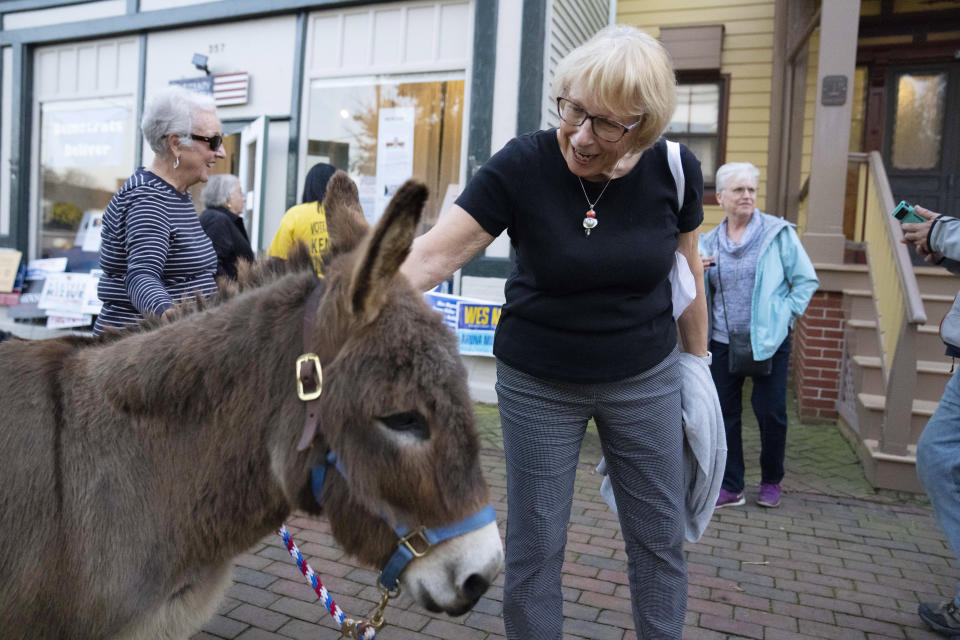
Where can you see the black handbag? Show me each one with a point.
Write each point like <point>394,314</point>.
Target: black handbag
<point>740,355</point>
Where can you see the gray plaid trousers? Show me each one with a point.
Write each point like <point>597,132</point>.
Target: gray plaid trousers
<point>639,422</point>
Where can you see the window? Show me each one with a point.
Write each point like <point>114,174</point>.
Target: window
<point>86,152</point>
<point>918,121</point>
<point>385,130</point>
<point>700,119</point>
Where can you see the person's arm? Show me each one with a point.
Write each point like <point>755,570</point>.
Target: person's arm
<point>147,244</point>
<point>693,322</point>
<point>435,255</point>
<point>918,233</point>
<point>800,274</point>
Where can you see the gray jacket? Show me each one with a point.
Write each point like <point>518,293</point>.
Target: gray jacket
<point>704,447</point>
<point>944,238</point>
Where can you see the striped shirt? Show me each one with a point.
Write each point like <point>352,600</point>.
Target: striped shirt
<point>153,251</point>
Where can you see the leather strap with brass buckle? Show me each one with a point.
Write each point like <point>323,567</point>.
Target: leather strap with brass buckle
<point>311,374</point>
<point>309,370</point>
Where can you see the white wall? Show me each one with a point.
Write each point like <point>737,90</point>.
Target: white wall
<point>262,47</point>
<point>70,13</point>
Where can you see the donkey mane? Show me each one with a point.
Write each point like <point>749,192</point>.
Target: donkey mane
<point>250,275</point>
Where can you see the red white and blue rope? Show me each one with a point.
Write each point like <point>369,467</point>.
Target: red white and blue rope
<point>313,580</point>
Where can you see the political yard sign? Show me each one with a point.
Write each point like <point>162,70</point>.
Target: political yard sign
<point>474,321</point>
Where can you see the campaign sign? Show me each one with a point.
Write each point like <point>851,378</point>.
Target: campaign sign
<point>64,292</point>
<point>474,321</point>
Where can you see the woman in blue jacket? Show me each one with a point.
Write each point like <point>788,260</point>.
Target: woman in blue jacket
<point>760,279</point>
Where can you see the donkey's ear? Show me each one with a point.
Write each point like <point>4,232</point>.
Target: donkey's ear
<point>346,225</point>
<point>385,250</point>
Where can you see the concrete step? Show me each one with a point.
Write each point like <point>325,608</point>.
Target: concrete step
<point>858,305</point>
<point>932,377</point>
<point>870,415</point>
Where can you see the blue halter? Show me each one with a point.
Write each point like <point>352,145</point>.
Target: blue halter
<point>414,543</point>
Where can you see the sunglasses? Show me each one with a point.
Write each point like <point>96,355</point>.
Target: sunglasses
<point>213,141</point>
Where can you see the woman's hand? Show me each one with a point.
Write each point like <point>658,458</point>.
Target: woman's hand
<point>916,233</point>
<point>435,255</point>
<point>708,261</point>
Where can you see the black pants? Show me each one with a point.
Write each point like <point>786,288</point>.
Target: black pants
<point>769,401</point>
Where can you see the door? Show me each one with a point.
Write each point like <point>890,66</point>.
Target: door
<point>921,149</point>
<point>253,173</point>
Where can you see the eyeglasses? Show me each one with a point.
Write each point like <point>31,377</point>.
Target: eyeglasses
<point>604,128</point>
<point>213,141</point>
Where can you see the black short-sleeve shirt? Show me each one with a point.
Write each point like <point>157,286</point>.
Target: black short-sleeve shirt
<point>578,308</point>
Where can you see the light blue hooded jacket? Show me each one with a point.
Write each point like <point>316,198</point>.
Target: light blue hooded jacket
<point>784,284</point>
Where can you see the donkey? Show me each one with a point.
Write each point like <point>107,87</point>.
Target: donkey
<point>133,468</point>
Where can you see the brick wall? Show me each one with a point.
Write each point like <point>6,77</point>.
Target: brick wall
<point>817,350</point>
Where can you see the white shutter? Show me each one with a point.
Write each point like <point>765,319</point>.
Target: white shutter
<point>570,24</point>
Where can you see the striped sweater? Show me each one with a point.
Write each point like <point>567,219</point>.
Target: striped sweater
<point>153,251</point>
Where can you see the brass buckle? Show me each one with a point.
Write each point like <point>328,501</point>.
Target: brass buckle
<point>313,395</point>
<point>406,541</point>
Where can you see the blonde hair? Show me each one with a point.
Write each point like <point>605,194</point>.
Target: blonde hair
<point>627,72</point>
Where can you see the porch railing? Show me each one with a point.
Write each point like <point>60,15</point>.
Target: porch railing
<point>897,297</point>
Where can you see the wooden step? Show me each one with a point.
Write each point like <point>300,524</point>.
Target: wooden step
<point>870,415</point>
<point>861,337</point>
<point>936,281</point>
<point>932,377</point>
<point>936,306</point>
<point>858,305</point>
<point>929,344</point>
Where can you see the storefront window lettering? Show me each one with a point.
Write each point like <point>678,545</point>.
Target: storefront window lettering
<point>86,154</point>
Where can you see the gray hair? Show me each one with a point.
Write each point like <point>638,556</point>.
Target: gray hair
<point>732,169</point>
<point>170,111</point>
<point>218,189</point>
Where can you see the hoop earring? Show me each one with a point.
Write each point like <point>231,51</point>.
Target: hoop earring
<point>176,163</point>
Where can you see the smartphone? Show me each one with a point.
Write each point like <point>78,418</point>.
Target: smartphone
<point>906,213</point>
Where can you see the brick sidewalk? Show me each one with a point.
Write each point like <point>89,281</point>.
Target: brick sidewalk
<point>836,560</point>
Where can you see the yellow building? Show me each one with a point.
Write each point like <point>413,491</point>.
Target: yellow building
<point>845,107</point>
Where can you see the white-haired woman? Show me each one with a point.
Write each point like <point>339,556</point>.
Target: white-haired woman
<point>223,223</point>
<point>153,250</point>
<point>587,329</point>
<point>760,281</point>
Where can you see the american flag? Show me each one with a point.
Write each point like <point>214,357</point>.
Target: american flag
<point>231,88</point>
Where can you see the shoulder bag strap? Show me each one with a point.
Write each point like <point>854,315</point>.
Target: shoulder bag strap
<point>676,168</point>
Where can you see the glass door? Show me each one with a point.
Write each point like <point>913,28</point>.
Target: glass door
<point>253,172</point>
<point>921,139</point>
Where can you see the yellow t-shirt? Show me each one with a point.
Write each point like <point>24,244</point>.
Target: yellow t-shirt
<point>306,222</point>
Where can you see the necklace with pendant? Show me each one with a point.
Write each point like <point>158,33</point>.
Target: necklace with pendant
<point>590,220</point>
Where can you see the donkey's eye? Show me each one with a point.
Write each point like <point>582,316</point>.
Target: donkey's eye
<point>411,422</point>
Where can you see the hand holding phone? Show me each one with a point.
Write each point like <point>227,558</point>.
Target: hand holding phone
<point>906,213</point>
